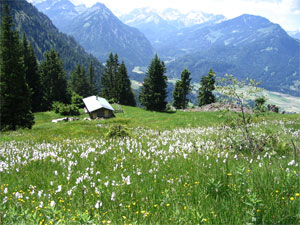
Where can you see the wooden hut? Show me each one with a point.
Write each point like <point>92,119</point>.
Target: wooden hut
<point>98,107</point>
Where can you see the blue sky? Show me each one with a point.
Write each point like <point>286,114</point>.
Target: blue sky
<point>284,12</point>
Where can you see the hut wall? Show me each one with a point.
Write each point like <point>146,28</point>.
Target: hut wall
<point>102,113</point>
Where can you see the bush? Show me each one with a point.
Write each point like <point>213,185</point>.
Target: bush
<point>77,100</point>
<point>65,110</point>
<point>118,130</point>
<point>56,106</point>
<point>260,103</point>
<point>69,110</point>
<point>170,108</point>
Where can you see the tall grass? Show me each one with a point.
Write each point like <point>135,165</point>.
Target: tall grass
<point>72,173</point>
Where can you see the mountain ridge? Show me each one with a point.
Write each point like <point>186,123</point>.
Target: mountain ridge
<point>246,46</point>
<point>100,32</point>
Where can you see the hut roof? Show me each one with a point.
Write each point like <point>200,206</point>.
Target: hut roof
<point>94,103</point>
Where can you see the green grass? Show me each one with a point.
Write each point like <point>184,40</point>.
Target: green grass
<point>45,130</point>
<point>176,168</point>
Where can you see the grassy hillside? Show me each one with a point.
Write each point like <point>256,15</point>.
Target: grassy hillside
<point>178,168</point>
<point>132,117</point>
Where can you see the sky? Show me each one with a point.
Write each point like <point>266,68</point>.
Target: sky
<point>284,12</point>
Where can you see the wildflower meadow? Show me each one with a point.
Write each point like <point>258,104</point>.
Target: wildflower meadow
<point>190,173</point>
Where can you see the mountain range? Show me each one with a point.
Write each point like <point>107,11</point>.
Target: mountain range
<point>99,31</point>
<point>246,46</point>
<point>43,35</point>
<point>157,25</point>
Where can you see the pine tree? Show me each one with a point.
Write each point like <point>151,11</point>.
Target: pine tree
<point>205,91</point>
<point>92,79</point>
<point>15,103</point>
<point>80,83</point>
<point>108,78</point>
<point>182,88</point>
<point>53,80</point>
<point>177,95</point>
<point>32,75</point>
<point>125,93</point>
<point>153,92</point>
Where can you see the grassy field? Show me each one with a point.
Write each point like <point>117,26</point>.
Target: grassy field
<point>172,168</point>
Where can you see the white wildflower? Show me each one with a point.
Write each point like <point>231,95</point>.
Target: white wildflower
<point>98,204</point>
<point>291,163</point>
<point>52,204</point>
<point>113,196</point>
<point>58,189</point>
<point>40,193</point>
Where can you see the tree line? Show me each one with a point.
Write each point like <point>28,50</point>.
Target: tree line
<point>154,90</point>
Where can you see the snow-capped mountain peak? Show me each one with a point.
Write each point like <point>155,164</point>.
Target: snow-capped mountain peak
<point>169,15</point>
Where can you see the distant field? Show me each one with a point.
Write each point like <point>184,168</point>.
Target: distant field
<point>285,102</point>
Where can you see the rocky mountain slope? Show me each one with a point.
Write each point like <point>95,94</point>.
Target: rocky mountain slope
<point>59,11</point>
<point>100,32</point>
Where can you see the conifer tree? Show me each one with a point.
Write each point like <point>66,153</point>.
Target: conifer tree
<point>32,75</point>
<point>205,91</point>
<point>182,88</point>
<point>92,79</point>
<point>177,95</point>
<point>108,78</point>
<point>79,82</point>
<point>15,103</point>
<point>125,93</point>
<point>153,92</point>
<point>53,80</point>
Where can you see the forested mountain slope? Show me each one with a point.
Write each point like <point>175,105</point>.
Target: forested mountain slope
<point>43,35</point>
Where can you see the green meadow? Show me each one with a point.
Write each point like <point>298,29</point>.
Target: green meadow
<point>151,168</point>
